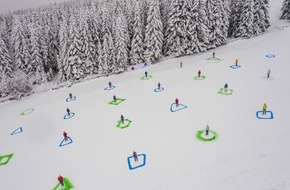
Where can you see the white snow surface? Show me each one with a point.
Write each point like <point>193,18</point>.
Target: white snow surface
<point>248,153</point>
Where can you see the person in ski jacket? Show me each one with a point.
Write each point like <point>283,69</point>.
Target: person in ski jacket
<point>180,64</point>
<point>237,61</point>
<point>135,156</point>
<point>226,87</point>
<point>159,85</point>
<point>199,72</point>
<point>177,102</point>
<point>264,108</point>
<point>213,54</point>
<point>60,179</point>
<point>268,73</point>
<point>206,130</point>
<point>122,119</point>
<point>110,85</point>
<point>114,98</point>
<point>68,112</point>
<point>70,95</point>
<point>65,136</point>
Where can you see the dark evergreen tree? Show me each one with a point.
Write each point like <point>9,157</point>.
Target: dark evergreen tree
<point>153,33</point>
<point>285,10</point>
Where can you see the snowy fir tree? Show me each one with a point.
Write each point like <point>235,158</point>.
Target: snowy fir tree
<point>153,33</point>
<point>64,44</point>
<point>74,66</point>
<point>245,25</point>
<point>198,28</point>
<point>216,20</point>
<point>176,29</point>
<point>285,10</point>
<point>36,68</point>
<point>121,37</point>
<point>20,47</point>
<point>6,67</point>
<point>137,47</point>
<point>106,57</point>
<point>88,46</point>
<point>265,8</point>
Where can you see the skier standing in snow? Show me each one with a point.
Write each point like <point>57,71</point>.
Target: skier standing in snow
<point>180,64</point>
<point>199,72</point>
<point>268,73</point>
<point>60,179</point>
<point>122,119</point>
<point>114,98</point>
<point>135,156</point>
<point>146,74</point>
<point>213,54</point>
<point>110,85</point>
<point>65,136</point>
<point>226,87</point>
<point>159,85</point>
<point>68,112</point>
<point>70,95</point>
<point>206,130</point>
<point>177,102</point>
<point>237,61</point>
<point>264,108</point>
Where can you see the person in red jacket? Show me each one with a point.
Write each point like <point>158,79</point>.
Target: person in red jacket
<point>177,102</point>
<point>60,179</point>
<point>65,136</point>
<point>213,54</point>
<point>199,72</point>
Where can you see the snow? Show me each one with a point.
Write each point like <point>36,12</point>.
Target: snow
<point>248,153</point>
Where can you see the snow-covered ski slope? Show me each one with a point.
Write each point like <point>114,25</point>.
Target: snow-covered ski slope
<point>248,153</point>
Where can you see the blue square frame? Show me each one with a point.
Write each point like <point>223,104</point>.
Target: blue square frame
<point>141,165</point>
<point>259,117</point>
<point>235,66</point>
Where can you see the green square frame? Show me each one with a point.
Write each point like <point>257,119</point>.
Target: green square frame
<point>229,92</point>
<point>119,101</point>
<point>9,156</point>
<point>119,124</point>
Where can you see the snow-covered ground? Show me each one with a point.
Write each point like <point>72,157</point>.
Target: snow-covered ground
<point>248,153</point>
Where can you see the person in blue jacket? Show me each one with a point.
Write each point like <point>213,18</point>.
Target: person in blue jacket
<point>122,119</point>
<point>159,85</point>
<point>146,74</point>
<point>226,87</point>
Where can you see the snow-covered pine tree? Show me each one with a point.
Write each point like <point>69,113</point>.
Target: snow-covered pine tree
<point>36,69</point>
<point>265,8</point>
<point>198,30</point>
<point>235,17</point>
<point>120,37</point>
<point>164,11</point>
<point>20,47</point>
<point>285,10</point>
<point>74,66</point>
<point>215,14</point>
<point>226,16</point>
<point>106,58</point>
<point>153,33</point>
<point>245,26</point>
<point>261,22</point>
<point>88,46</point>
<point>95,31</point>
<point>63,46</point>
<point>6,67</point>
<point>137,50</point>
<point>176,29</point>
